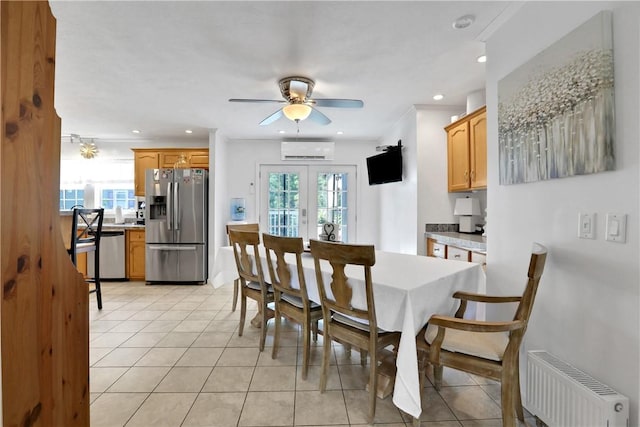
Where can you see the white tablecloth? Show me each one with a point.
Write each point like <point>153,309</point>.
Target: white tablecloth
<point>408,289</point>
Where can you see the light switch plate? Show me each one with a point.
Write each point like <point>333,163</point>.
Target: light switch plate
<point>587,225</point>
<point>616,228</point>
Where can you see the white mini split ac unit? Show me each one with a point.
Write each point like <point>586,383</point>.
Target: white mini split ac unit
<point>307,150</point>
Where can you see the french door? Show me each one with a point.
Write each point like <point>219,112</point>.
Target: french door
<point>297,201</point>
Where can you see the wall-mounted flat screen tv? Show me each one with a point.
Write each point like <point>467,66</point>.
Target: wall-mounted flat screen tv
<point>385,167</point>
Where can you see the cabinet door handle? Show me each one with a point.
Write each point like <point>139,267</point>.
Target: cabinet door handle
<point>473,174</point>
<point>466,175</point>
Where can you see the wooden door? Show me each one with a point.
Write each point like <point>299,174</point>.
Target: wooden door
<point>143,160</point>
<point>478,150</point>
<point>458,156</point>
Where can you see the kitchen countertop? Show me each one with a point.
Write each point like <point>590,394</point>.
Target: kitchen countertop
<point>473,242</point>
<point>108,223</point>
<point>110,226</point>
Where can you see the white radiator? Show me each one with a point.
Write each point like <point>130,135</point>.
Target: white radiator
<point>563,396</point>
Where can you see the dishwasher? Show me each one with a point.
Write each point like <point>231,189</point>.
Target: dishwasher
<point>111,257</point>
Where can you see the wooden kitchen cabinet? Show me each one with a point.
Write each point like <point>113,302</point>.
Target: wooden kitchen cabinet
<point>458,254</point>
<point>143,160</point>
<point>135,254</point>
<point>194,159</point>
<point>153,158</point>
<point>467,152</point>
<point>436,249</point>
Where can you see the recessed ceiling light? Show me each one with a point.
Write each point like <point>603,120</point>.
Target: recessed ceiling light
<point>188,131</point>
<point>482,58</point>
<point>135,131</point>
<point>282,131</point>
<point>463,22</point>
<point>339,132</point>
<point>438,97</point>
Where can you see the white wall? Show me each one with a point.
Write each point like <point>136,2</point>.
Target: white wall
<point>237,170</point>
<point>587,310</point>
<point>398,208</point>
<point>435,203</point>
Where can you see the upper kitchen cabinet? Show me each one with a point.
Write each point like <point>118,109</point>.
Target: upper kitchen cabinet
<point>143,160</point>
<point>154,158</point>
<point>467,152</point>
<point>182,158</point>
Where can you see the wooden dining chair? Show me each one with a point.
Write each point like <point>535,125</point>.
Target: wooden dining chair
<point>86,229</point>
<point>236,282</point>
<point>252,284</point>
<point>488,349</point>
<point>341,321</point>
<point>291,302</point>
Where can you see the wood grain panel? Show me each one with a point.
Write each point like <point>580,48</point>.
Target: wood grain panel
<point>43,310</point>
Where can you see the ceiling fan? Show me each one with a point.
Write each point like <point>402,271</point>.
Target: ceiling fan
<point>296,92</point>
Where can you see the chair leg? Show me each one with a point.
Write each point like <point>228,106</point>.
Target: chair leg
<point>507,401</point>
<point>236,285</point>
<point>97,279</point>
<point>373,383</point>
<point>518,396</point>
<point>276,332</point>
<point>363,358</point>
<point>315,331</point>
<point>326,352</point>
<point>306,348</point>
<point>263,326</point>
<point>437,375</point>
<point>243,312</point>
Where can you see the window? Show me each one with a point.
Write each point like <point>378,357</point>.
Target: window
<point>70,198</point>
<point>107,183</point>
<point>113,197</point>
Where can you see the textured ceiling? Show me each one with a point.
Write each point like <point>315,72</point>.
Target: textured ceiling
<point>163,67</point>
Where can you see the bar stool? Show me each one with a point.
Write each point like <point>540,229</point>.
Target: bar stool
<point>87,240</point>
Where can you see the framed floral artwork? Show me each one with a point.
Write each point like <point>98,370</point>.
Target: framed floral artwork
<point>556,111</point>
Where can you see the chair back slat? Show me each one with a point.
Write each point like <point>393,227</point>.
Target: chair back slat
<point>90,222</point>
<point>339,256</point>
<point>281,274</point>
<point>243,243</point>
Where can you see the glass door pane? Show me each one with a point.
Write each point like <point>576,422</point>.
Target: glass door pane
<point>335,188</point>
<point>283,201</point>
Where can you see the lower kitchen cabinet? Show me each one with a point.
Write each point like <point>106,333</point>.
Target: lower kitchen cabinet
<point>135,254</point>
<point>443,250</point>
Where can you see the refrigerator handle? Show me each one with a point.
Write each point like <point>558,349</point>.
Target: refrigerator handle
<point>176,207</point>
<point>169,207</point>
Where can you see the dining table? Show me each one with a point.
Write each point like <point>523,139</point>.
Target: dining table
<point>408,289</point>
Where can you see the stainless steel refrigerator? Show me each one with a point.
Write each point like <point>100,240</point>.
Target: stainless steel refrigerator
<point>176,225</point>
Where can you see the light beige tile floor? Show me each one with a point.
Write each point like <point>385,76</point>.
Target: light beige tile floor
<point>170,355</point>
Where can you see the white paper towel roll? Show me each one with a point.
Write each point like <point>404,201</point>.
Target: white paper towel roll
<point>119,216</point>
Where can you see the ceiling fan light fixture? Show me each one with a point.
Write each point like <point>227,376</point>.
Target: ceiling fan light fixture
<point>296,112</point>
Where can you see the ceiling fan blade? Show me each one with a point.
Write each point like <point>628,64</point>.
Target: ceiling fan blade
<point>298,89</point>
<point>318,117</point>
<point>263,101</point>
<point>272,118</point>
<point>337,103</point>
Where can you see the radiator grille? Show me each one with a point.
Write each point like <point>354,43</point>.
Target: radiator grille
<point>561,395</point>
<point>584,379</point>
